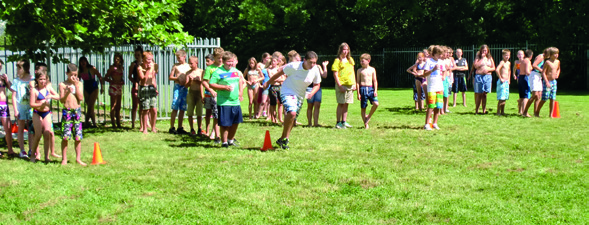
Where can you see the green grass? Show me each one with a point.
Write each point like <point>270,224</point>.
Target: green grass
<point>475,170</point>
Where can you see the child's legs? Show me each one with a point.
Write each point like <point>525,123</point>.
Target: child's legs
<point>144,119</point>
<point>317,106</point>
<point>262,104</point>
<point>551,107</point>
<point>119,99</point>
<point>484,101</point>
<point>91,103</point>
<point>64,143</point>
<point>21,136</point>
<point>428,114</point>
<point>224,133</point>
<point>207,119</point>
<point>339,112</point>
<point>464,98</point>
<point>232,131</point>
<point>279,112</point>
<point>436,115</point>
<point>38,127</point>
<point>113,103</point>
<point>289,121</point>
<point>8,134</point>
<point>250,96</point>
<point>153,116</point>
<point>344,112</point>
<point>134,107</point>
<point>310,106</point>
<point>373,109</point>
<point>363,114</point>
<point>255,101</point>
<point>173,118</point>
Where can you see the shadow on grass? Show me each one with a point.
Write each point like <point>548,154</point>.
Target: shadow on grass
<point>403,110</point>
<point>401,127</point>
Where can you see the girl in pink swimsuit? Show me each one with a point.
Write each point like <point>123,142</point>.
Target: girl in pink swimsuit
<point>114,77</point>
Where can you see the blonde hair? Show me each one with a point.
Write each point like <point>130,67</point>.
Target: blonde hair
<point>180,53</point>
<point>420,54</point>
<point>193,57</point>
<point>227,55</point>
<point>365,56</point>
<point>218,51</point>
<point>341,48</point>
<point>147,53</point>
<point>505,51</point>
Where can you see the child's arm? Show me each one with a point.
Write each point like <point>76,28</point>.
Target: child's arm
<point>426,73</point>
<point>412,69</point>
<point>358,73</point>
<point>544,77</point>
<point>63,92</point>
<point>100,79</point>
<point>79,90</point>
<point>108,76</point>
<point>492,68</point>
<point>514,69</point>
<point>498,71</point>
<point>14,93</point>
<point>272,79</point>
<point>241,87</point>
<point>463,68</point>
<point>374,82</point>
<point>537,62</point>
<point>154,78</point>
<point>52,93</point>
<point>323,69</point>
<point>173,76</point>
<point>557,75</point>
<point>260,76</point>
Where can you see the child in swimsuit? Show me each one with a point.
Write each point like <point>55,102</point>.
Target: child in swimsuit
<point>420,83</point>
<point>114,76</point>
<point>254,76</point>
<point>20,102</point>
<point>275,106</point>
<point>148,91</point>
<point>88,74</point>
<point>134,79</point>
<point>70,95</point>
<point>5,111</point>
<point>41,96</point>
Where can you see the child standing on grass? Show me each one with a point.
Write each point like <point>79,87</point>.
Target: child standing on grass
<point>180,92</point>
<point>211,96</point>
<point>148,91</point>
<point>314,103</point>
<point>345,84</point>
<point>522,82</point>
<point>114,76</point>
<point>460,72</point>
<point>367,87</point>
<point>254,76</point>
<point>525,93</point>
<point>5,110</point>
<point>195,97</point>
<point>20,102</point>
<point>70,95</point>
<point>550,73</point>
<point>420,83</point>
<point>41,96</point>
<point>503,72</point>
<point>535,83</point>
<point>227,81</point>
<point>275,106</point>
<point>435,87</point>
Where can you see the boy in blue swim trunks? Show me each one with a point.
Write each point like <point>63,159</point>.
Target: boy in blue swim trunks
<point>503,71</point>
<point>550,73</point>
<point>368,88</point>
<point>178,75</point>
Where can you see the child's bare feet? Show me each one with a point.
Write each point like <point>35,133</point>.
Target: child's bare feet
<point>64,162</point>
<point>464,105</point>
<point>80,162</point>
<point>55,155</point>
<point>154,130</point>
<point>366,126</point>
<point>527,115</point>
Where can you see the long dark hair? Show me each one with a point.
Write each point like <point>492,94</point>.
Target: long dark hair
<point>88,65</point>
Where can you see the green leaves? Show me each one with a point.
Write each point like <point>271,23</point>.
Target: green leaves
<point>91,25</point>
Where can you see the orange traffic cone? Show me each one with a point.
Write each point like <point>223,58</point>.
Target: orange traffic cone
<point>14,128</point>
<point>267,142</point>
<point>556,110</point>
<point>97,159</point>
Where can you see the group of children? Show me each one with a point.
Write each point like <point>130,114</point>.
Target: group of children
<point>438,73</point>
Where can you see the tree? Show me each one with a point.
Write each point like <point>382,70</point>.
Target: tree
<point>40,27</point>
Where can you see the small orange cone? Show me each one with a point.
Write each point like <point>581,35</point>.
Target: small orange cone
<point>267,142</point>
<point>97,159</point>
<point>556,110</point>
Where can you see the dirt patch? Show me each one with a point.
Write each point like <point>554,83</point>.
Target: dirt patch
<point>29,213</point>
<point>519,170</point>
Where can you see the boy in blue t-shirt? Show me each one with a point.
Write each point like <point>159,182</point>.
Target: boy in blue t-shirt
<point>228,82</point>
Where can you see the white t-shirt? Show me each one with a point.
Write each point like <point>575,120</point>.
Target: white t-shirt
<point>298,79</point>
<point>434,81</point>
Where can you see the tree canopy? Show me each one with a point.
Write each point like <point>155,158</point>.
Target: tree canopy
<point>39,27</point>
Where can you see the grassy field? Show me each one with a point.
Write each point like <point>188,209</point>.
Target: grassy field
<point>478,169</point>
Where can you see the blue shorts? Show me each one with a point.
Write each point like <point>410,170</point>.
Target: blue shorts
<point>291,103</point>
<point>229,115</point>
<point>25,112</point>
<point>367,94</point>
<point>523,87</point>
<point>423,93</point>
<point>482,83</point>
<point>549,93</point>
<point>446,88</point>
<point>316,97</point>
<point>179,99</point>
<point>459,84</point>
<point>502,90</point>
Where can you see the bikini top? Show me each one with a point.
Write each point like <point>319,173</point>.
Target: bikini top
<point>87,76</point>
<point>422,67</point>
<point>252,73</point>
<point>41,96</point>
